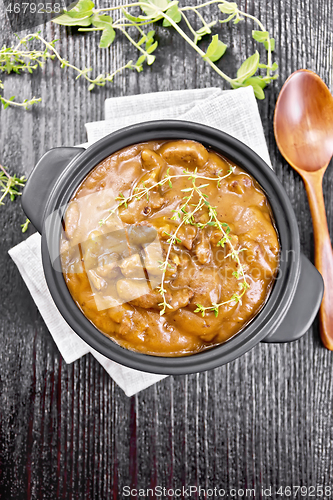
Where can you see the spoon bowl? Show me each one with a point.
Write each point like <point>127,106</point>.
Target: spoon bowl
<point>303,122</point>
<point>303,128</point>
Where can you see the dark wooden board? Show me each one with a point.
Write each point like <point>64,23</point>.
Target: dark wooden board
<point>67,431</point>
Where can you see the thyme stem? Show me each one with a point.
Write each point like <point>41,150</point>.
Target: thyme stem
<point>196,48</point>
<point>6,173</point>
<point>187,218</point>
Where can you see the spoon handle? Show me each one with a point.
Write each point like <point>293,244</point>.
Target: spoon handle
<point>323,251</point>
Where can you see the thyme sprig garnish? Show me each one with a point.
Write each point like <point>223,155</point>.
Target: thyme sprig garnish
<point>11,102</point>
<point>185,216</point>
<point>21,59</point>
<point>10,185</point>
<point>143,192</point>
<point>233,254</point>
<point>87,17</point>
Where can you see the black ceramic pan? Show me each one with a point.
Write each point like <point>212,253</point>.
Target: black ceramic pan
<point>297,292</point>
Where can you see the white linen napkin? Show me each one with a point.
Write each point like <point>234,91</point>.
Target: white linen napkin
<point>234,112</point>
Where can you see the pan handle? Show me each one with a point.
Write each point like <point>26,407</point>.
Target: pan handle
<point>42,179</point>
<point>304,306</point>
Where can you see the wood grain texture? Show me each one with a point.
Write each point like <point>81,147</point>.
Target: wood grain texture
<point>67,431</point>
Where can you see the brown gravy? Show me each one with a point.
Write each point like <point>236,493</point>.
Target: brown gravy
<point>194,222</point>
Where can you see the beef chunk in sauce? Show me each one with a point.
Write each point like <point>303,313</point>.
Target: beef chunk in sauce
<point>118,256</point>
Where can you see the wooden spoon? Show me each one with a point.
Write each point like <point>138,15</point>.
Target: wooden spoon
<point>303,127</point>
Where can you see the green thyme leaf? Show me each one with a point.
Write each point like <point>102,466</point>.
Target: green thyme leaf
<point>152,47</point>
<point>107,37</point>
<point>228,7</point>
<point>249,67</point>
<point>104,22</point>
<point>260,36</point>
<point>67,20</point>
<point>200,309</point>
<point>256,80</point>
<point>151,7</point>
<point>258,92</point>
<point>25,225</point>
<point>174,13</point>
<point>130,17</point>
<point>80,15</point>
<point>216,49</point>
